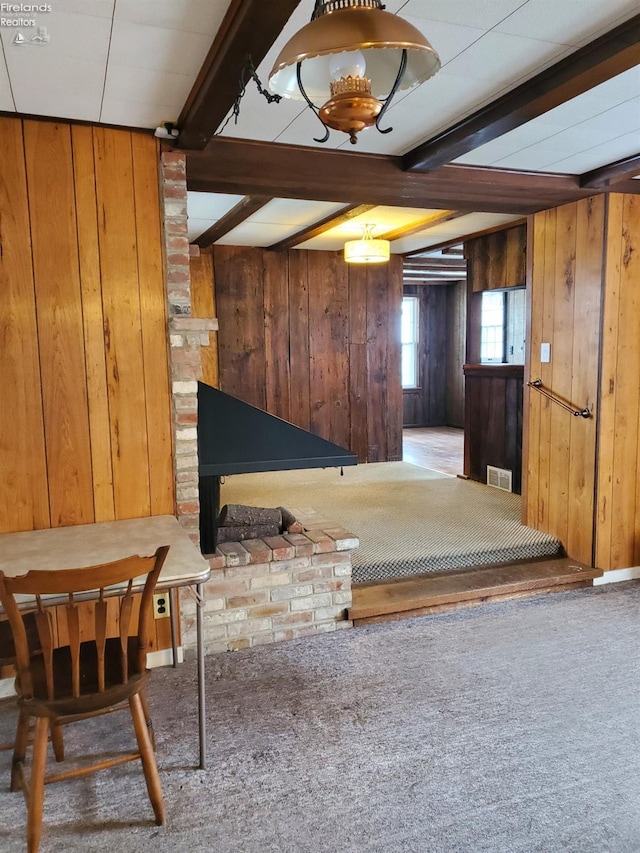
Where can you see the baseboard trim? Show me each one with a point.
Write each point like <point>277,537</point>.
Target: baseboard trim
<point>618,575</point>
<point>164,657</point>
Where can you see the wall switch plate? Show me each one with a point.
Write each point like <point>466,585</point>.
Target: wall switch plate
<point>161,605</point>
<point>545,353</point>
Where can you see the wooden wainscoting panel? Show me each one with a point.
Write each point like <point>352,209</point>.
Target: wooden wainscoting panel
<point>123,322</point>
<point>94,344</point>
<point>153,316</point>
<point>377,367</point>
<point>24,496</point>
<point>393,418</point>
<point>52,216</point>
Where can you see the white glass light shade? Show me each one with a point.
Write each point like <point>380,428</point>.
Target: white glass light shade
<point>380,37</point>
<point>349,63</point>
<point>367,251</point>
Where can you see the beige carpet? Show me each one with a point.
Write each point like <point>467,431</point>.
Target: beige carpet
<point>409,520</point>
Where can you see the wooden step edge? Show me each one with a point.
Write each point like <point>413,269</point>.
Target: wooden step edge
<point>357,612</point>
<point>469,603</point>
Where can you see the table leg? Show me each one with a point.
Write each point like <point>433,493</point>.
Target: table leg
<point>202,726</point>
<point>173,612</point>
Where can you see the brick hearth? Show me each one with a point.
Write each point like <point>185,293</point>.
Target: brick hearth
<point>267,590</point>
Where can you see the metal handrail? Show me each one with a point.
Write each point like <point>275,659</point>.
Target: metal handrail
<point>537,383</point>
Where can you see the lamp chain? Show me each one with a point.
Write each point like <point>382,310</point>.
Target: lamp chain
<point>247,73</point>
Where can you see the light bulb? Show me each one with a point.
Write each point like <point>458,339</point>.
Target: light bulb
<point>349,63</point>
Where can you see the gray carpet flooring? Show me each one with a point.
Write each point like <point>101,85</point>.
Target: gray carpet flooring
<point>506,728</point>
<point>410,520</point>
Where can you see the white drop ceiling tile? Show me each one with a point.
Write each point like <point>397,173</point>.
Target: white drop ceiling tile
<point>210,206</point>
<point>158,48</point>
<point>455,228</point>
<point>255,234</point>
<point>71,36</point>
<point>141,85</point>
<point>135,113</point>
<point>99,8</point>
<point>505,59</point>
<point>568,22</point>
<point>298,213</point>
<point>73,91</point>
<point>196,227</point>
<point>448,40</point>
<point>6,98</point>
<point>599,155</point>
<point>306,129</point>
<point>423,112</point>
<point>260,120</point>
<point>196,16</point>
<point>483,15</point>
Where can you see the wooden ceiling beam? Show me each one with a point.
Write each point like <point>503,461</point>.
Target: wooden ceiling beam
<point>596,62</point>
<point>455,241</point>
<point>289,171</point>
<point>422,225</point>
<point>453,250</point>
<point>435,263</point>
<point>243,210</point>
<point>249,28</point>
<point>322,226</point>
<point>612,174</point>
<point>428,280</point>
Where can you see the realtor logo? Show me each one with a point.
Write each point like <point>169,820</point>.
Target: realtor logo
<point>40,38</point>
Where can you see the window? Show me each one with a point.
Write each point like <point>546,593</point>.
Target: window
<point>409,338</point>
<point>492,327</point>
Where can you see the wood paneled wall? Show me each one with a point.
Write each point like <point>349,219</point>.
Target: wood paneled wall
<point>618,479</point>
<point>493,421</point>
<point>497,260</point>
<point>85,425</point>
<point>203,305</point>
<point>439,401</point>
<point>427,404</point>
<point>314,341</point>
<point>565,293</point>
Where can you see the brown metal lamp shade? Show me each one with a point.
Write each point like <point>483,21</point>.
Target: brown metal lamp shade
<point>394,53</point>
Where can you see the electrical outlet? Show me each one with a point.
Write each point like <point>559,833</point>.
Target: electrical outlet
<point>161,605</point>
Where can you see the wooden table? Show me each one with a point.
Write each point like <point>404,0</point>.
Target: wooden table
<point>91,544</point>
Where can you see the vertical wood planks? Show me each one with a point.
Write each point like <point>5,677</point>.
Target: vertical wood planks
<point>91,293</point>
<point>298,304</point>
<point>239,290</point>
<point>318,337</point>
<point>24,497</point>
<point>52,213</point>
<point>394,371</point>
<point>276,334</point>
<point>584,376</point>
<point>123,322</point>
<point>203,306</point>
<point>618,506</point>
<point>153,316</point>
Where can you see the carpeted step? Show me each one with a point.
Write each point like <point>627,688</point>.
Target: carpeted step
<point>414,595</point>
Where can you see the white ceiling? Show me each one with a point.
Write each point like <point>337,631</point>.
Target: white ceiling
<point>133,63</point>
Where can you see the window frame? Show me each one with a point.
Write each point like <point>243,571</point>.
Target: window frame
<point>414,344</point>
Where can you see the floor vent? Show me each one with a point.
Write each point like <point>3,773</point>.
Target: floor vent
<point>500,478</point>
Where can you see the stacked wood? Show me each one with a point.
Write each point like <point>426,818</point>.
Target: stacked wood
<point>239,515</point>
<point>237,522</point>
<point>249,531</point>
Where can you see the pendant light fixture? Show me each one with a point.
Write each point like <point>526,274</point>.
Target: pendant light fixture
<point>367,250</point>
<point>351,59</point>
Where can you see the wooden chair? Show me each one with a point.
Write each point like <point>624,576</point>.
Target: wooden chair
<point>64,684</point>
